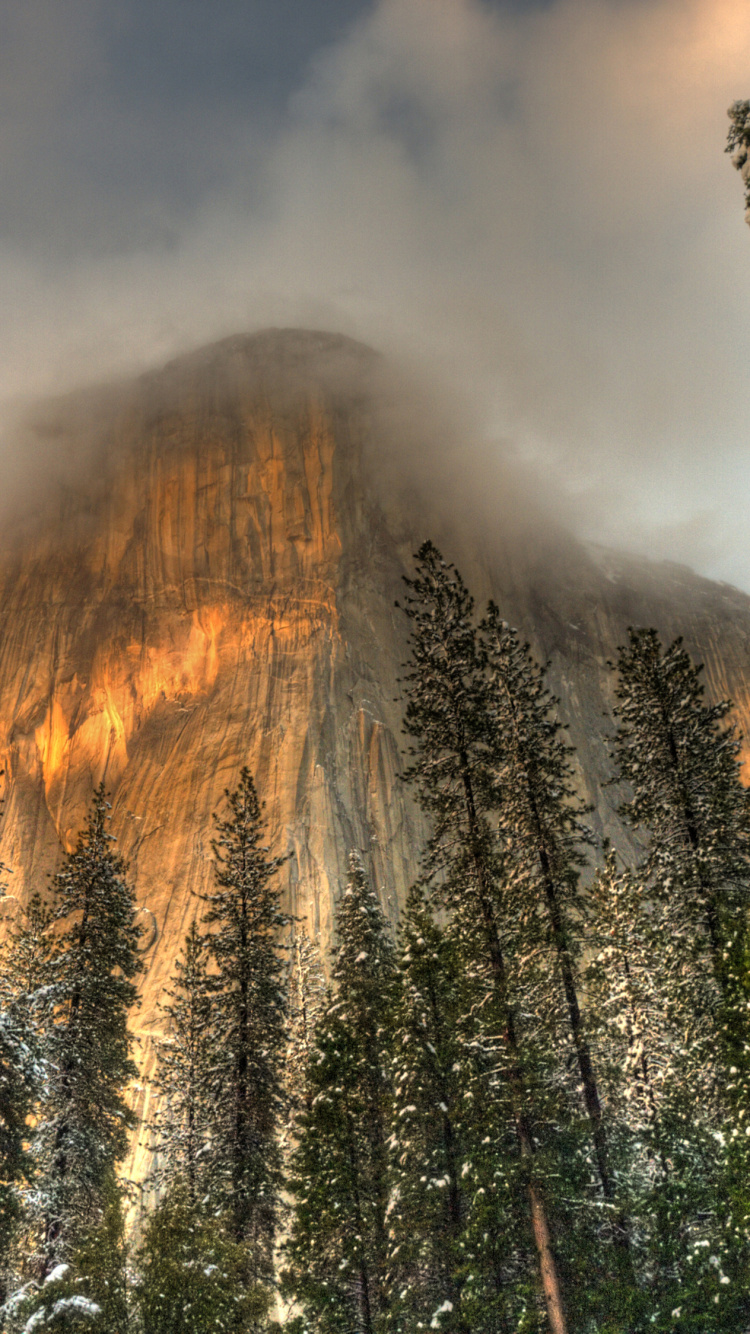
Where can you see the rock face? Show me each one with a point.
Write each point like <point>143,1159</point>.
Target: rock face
<point>214,586</point>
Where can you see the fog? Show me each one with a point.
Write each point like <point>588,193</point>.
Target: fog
<point>528,203</point>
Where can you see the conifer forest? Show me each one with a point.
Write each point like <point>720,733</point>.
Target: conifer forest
<point>522,1109</point>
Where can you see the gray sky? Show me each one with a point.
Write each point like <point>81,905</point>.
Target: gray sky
<point>530,198</point>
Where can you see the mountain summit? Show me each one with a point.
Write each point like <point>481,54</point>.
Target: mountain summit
<point>211,584</point>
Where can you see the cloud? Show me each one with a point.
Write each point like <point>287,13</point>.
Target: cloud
<point>536,204</point>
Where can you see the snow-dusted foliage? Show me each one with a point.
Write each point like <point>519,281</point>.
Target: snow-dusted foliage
<point>21,1074</point>
<point>679,761</point>
<point>84,1120</point>
<point>533,1116</point>
<point>454,768</point>
<point>542,828</point>
<point>183,1128</point>
<point>337,1250</point>
<point>738,144</point>
<point>247,1028</point>
<point>678,946</point>
<point>207,1258</point>
<point>307,999</point>
<point>681,765</point>
<point>659,1074</point>
<point>453,1244</point>
<point>89,1293</point>
<point>192,1277</point>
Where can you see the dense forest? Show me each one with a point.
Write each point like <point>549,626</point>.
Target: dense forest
<point>523,1110</point>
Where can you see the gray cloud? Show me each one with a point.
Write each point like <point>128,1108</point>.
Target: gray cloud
<point>533,203</point>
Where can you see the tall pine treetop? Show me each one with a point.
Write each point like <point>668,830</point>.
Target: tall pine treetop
<point>183,1124</point>
<point>534,770</point>
<point>84,1120</point>
<point>242,869</point>
<point>364,963</point>
<point>92,882</point>
<point>446,706</point>
<point>248,1010</point>
<point>681,764</point>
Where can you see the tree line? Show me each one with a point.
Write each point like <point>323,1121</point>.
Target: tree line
<point>526,1110</point>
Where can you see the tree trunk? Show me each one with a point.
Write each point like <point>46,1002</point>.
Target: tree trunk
<point>539,1225</point>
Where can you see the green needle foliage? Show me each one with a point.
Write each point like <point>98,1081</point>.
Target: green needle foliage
<point>308,998</point>
<point>193,1275</point>
<point>433,1129</point>
<point>679,761</point>
<point>183,1128</point>
<point>738,144</point>
<point>449,716</point>
<point>541,826</point>
<point>84,1119</point>
<point>247,1029</point>
<point>22,1072</point>
<point>681,764</point>
<point>337,1250</point>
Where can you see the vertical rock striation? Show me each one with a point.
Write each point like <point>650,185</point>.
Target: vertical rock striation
<point>213,583</point>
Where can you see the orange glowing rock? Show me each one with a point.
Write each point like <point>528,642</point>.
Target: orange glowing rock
<point>215,587</point>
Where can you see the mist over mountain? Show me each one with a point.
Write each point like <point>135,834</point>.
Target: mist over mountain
<point>529,201</point>
<point>213,585</point>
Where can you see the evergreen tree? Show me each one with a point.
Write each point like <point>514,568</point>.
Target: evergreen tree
<point>247,1029</point>
<point>680,1178</point>
<point>337,1251</point>
<point>635,1046</point>
<point>306,1004</point>
<point>449,716</point>
<point>21,1074</point>
<point>738,144</point>
<point>679,760</point>
<point>432,1129</point>
<point>89,1292</point>
<point>18,1080</point>
<point>681,765</point>
<point>84,1119</point>
<point>26,959</point>
<point>458,1228</point>
<point>192,1274</point>
<point>24,1008</point>
<point>541,822</point>
<point>183,1127</point>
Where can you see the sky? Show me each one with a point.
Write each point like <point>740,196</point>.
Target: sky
<point>529,201</point>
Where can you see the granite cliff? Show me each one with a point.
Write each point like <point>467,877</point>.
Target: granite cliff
<point>213,585</point>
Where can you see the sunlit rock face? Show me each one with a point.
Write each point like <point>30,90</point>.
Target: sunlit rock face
<point>213,593</point>
<point>211,583</point>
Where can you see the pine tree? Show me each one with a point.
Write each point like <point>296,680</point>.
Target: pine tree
<point>84,1119</point>
<point>541,822</point>
<point>183,1128</point>
<point>635,1046</point>
<point>659,1076</point>
<point>447,716</point>
<point>18,1086</point>
<point>738,144</point>
<point>306,1003</point>
<point>24,1010</point>
<point>337,1251</point>
<point>192,1276</point>
<point>26,958</point>
<point>88,1293</point>
<point>247,1028</point>
<point>431,1129</point>
<point>21,1075</point>
<point>679,760</point>
<point>681,765</point>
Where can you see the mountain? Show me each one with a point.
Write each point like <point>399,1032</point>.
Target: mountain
<point>202,574</point>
